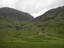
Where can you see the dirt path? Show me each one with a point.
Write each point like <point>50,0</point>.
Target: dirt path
<point>49,36</point>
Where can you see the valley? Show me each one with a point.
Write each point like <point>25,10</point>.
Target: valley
<point>21,30</point>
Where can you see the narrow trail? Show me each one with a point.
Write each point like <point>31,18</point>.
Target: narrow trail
<point>49,36</point>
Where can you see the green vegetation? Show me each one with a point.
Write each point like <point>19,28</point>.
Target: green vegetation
<point>46,44</point>
<point>45,31</point>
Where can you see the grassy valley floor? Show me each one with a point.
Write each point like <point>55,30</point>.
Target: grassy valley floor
<point>44,44</point>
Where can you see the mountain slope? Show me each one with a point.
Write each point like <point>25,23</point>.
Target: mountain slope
<point>12,20</point>
<point>51,23</point>
<point>15,14</point>
<point>49,26</point>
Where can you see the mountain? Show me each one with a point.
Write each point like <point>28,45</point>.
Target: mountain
<point>12,20</point>
<point>14,26</point>
<point>49,24</point>
<point>9,13</point>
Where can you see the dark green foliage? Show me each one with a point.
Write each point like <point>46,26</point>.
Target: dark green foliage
<point>18,27</point>
<point>1,27</point>
<point>9,26</point>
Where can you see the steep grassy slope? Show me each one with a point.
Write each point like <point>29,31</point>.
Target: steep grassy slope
<point>13,17</point>
<point>50,24</point>
<point>12,20</point>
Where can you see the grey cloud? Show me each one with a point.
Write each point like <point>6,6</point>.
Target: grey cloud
<point>34,7</point>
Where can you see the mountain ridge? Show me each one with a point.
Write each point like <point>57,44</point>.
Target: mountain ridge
<point>50,23</point>
<point>48,26</point>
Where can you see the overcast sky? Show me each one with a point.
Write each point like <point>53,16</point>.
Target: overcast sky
<point>34,7</point>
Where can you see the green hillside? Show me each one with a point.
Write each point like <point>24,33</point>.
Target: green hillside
<point>11,21</point>
<point>48,25</point>
<point>51,24</point>
<point>21,30</point>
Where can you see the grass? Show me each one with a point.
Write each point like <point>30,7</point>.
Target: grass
<point>46,44</point>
